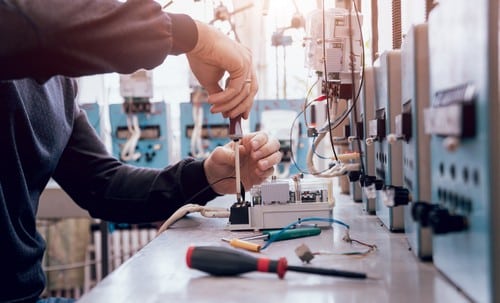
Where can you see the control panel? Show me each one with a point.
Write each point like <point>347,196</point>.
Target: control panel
<point>409,131</point>
<point>140,137</point>
<point>388,158</point>
<point>201,131</point>
<point>462,121</point>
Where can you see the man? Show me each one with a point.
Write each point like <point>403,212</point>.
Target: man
<point>44,134</point>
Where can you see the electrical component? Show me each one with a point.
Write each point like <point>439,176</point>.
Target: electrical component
<point>388,158</point>
<point>201,132</point>
<point>409,132</point>
<point>335,39</point>
<point>274,204</point>
<point>366,113</point>
<point>464,74</point>
<point>141,138</point>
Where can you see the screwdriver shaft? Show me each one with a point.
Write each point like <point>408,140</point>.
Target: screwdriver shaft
<point>237,169</point>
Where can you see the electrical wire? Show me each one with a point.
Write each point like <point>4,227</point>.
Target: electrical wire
<point>362,71</point>
<point>309,91</point>
<point>208,212</point>
<point>362,75</point>
<point>128,151</point>
<point>325,75</point>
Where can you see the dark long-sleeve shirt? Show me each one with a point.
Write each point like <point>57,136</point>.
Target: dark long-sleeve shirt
<point>44,134</point>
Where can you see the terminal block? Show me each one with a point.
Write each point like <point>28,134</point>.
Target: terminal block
<point>278,203</point>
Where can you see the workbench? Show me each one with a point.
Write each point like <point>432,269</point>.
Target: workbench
<point>158,272</point>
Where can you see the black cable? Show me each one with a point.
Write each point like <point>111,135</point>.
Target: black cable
<point>210,185</point>
<point>352,77</point>
<point>292,156</point>
<point>362,76</point>
<point>325,79</point>
<point>305,102</point>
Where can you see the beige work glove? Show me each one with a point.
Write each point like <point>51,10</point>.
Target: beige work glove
<point>213,55</point>
<point>258,155</point>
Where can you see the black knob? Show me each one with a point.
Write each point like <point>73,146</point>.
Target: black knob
<point>354,176</point>
<point>443,222</point>
<point>379,184</point>
<point>420,212</point>
<point>396,196</point>
<point>366,180</point>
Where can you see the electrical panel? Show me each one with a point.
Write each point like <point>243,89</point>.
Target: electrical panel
<point>283,120</point>
<point>388,158</point>
<point>145,132</point>
<point>363,181</point>
<point>409,131</point>
<point>352,133</point>
<point>463,123</point>
<point>201,131</point>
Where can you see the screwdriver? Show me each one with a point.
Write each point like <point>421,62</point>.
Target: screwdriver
<point>235,134</point>
<point>223,261</point>
<point>240,243</point>
<point>279,235</point>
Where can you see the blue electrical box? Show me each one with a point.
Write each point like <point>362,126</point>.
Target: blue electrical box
<point>388,157</point>
<point>199,140</point>
<point>368,97</point>
<point>410,132</point>
<point>151,147</point>
<point>284,120</point>
<point>463,121</point>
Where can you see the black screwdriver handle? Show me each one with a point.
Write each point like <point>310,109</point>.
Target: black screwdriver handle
<point>221,261</point>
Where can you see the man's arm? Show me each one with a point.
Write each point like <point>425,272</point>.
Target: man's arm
<point>114,191</point>
<point>41,39</point>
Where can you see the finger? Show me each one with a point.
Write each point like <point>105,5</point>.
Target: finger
<point>236,105</point>
<point>244,106</point>
<point>266,150</point>
<point>269,161</point>
<point>264,174</point>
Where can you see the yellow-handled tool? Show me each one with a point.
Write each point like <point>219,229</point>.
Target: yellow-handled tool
<point>243,244</point>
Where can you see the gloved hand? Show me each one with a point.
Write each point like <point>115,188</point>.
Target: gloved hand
<point>213,55</point>
<point>258,155</point>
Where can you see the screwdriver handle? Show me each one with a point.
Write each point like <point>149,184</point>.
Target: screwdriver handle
<point>292,233</point>
<point>221,261</point>
<point>239,243</point>
<point>235,130</point>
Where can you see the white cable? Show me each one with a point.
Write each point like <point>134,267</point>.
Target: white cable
<point>197,149</point>
<point>339,169</point>
<point>128,151</point>
<point>208,212</point>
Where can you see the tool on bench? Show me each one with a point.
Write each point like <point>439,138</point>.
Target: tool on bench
<point>222,261</point>
<point>279,235</point>
<point>275,235</point>
<point>240,243</point>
